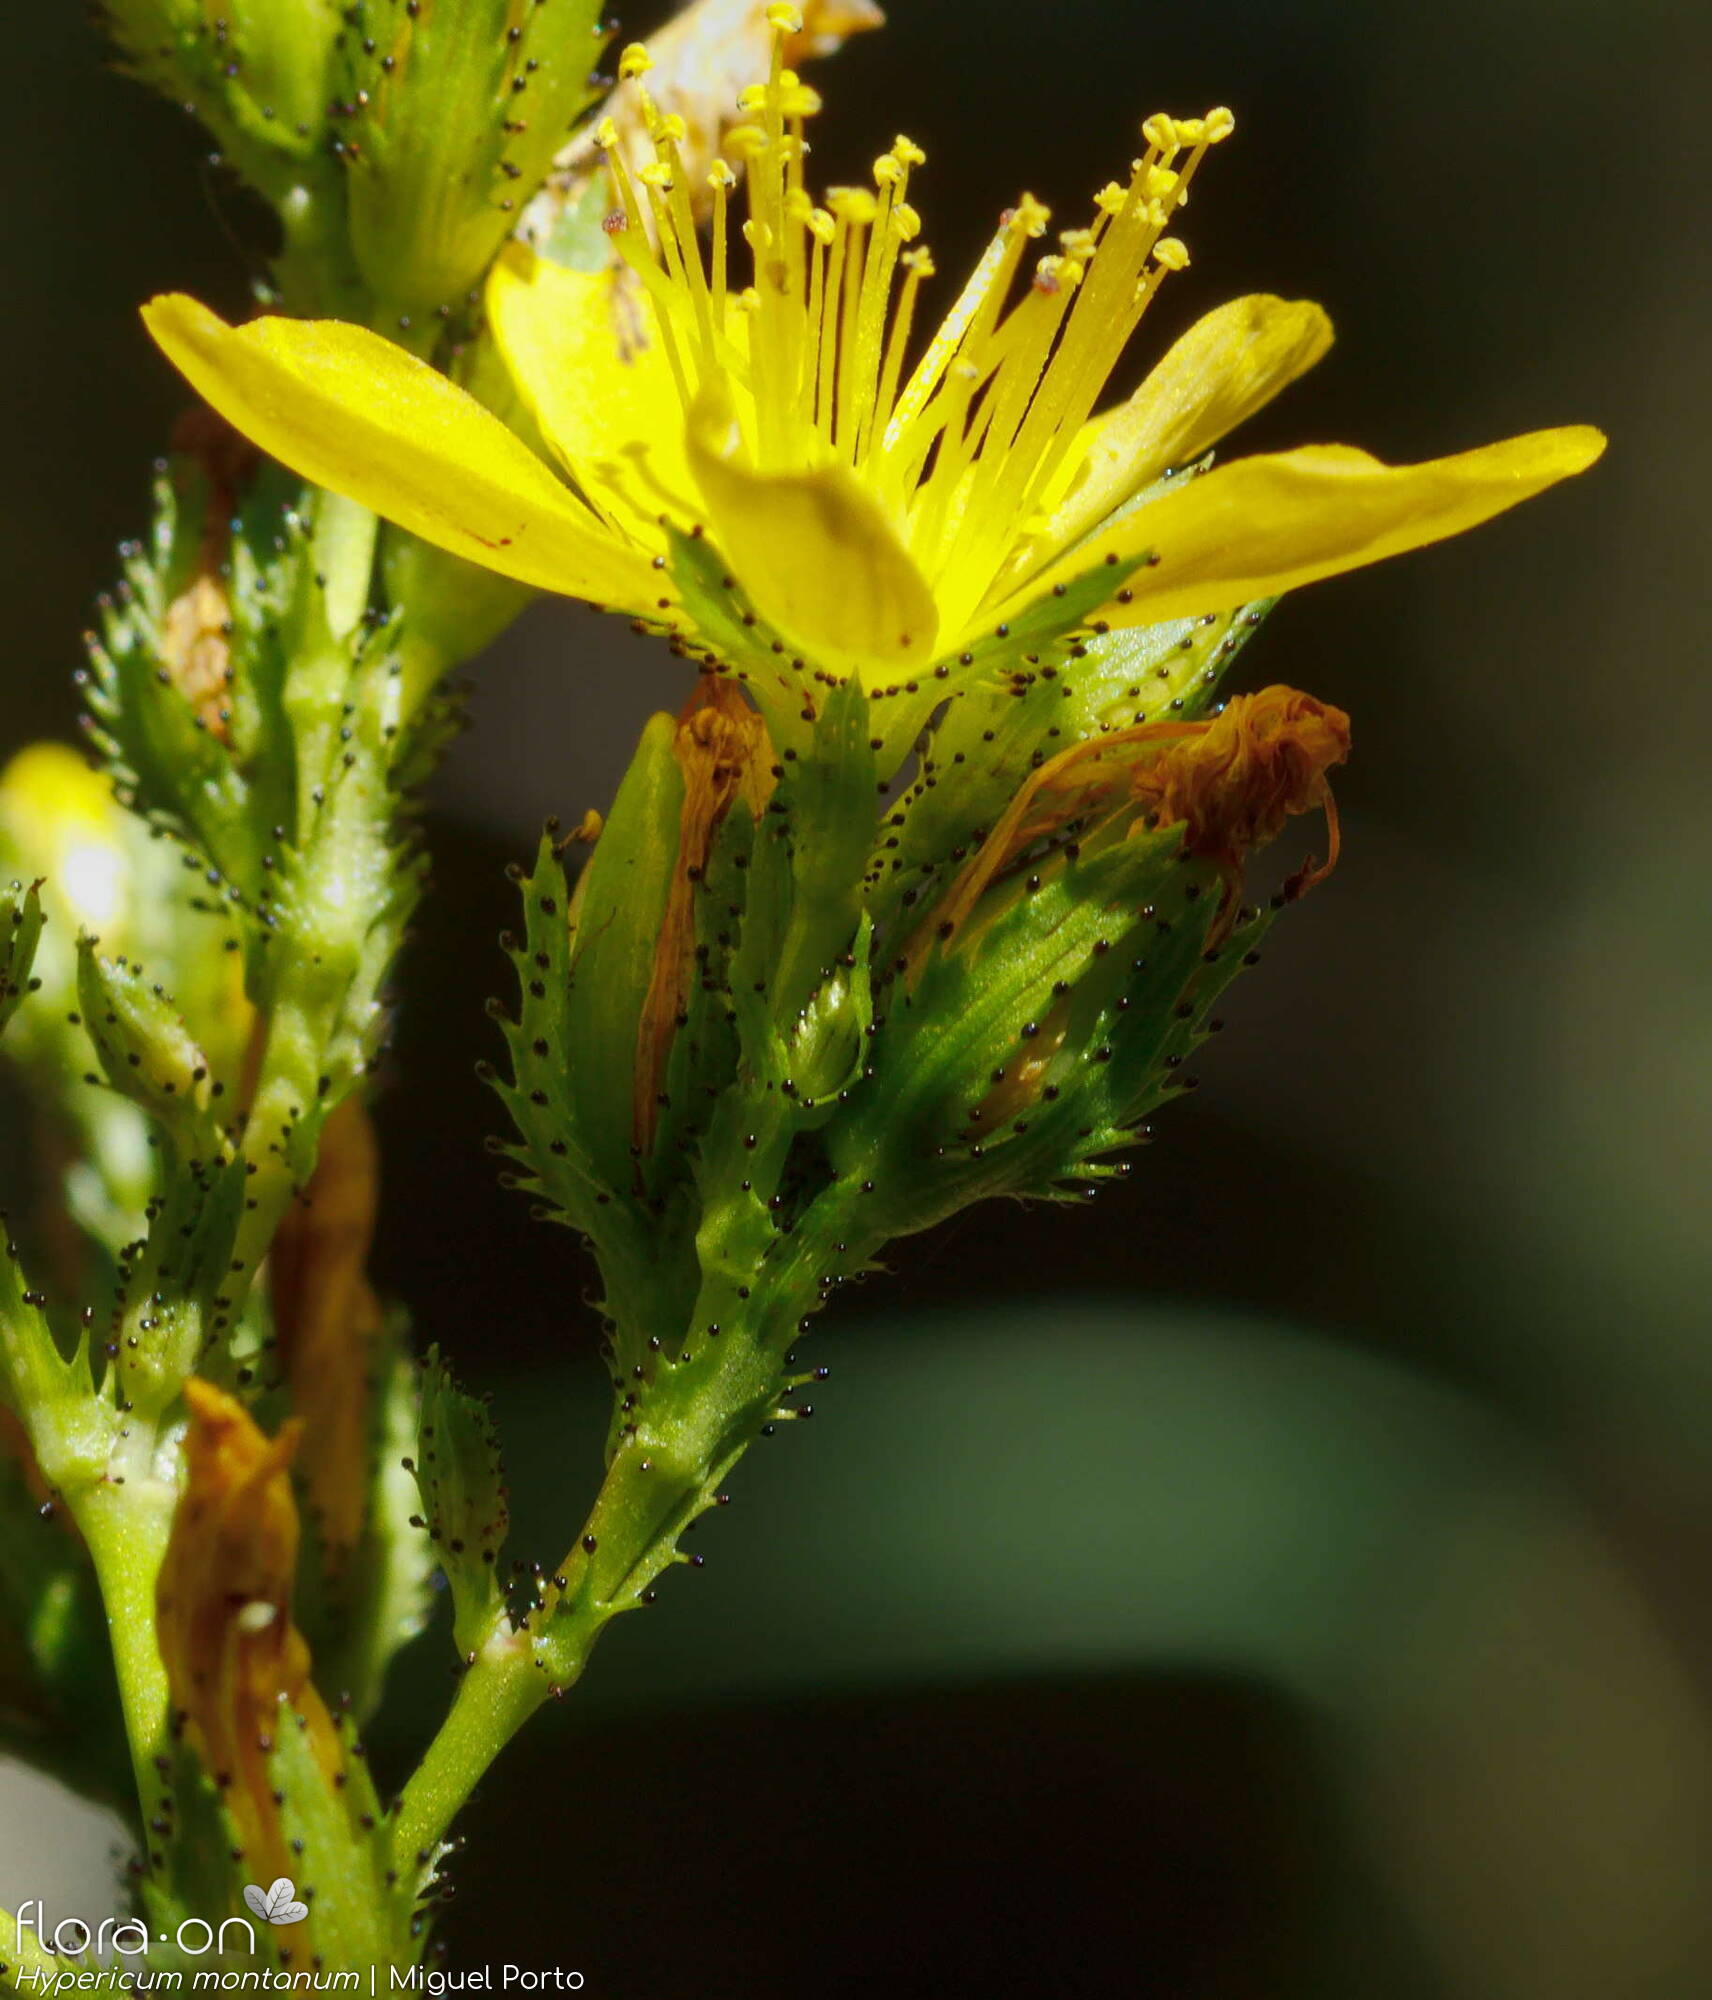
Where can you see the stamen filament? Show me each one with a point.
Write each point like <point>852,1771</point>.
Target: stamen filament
<point>962,451</point>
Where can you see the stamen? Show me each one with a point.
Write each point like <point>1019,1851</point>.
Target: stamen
<point>961,450</point>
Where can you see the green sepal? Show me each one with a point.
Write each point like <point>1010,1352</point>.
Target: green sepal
<point>460,110</point>
<point>539,1096</point>
<point>195,1866</point>
<point>732,637</point>
<point>332,1828</point>
<point>462,1483</point>
<point>175,1308</point>
<point>1042,1034</point>
<point>705,1046</point>
<point>20,932</point>
<point>546,1094</point>
<point>825,809</point>
<point>338,1862</point>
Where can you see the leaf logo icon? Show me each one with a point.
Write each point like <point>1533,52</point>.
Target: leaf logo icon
<point>277,1904</point>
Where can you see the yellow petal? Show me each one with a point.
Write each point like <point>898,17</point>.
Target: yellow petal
<point>815,553</point>
<point>1226,367</point>
<point>355,413</point>
<point>1262,525</point>
<point>584,349</point>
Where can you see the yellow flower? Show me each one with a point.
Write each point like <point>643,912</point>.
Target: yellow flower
<point>879,514</point>
<point>58,819</point>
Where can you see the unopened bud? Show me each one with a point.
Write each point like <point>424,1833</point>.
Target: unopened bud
<point>460,109</point>
<point>256,72</point>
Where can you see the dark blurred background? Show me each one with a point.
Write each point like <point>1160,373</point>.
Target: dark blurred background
<point>1288,1577</point>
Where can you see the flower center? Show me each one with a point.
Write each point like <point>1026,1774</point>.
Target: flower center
<point>988,428</point>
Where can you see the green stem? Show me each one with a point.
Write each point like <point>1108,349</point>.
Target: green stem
<point>662,1477</point>
<point>125,1527</point>
<point>498,1695</point>
<point>21,1956</point>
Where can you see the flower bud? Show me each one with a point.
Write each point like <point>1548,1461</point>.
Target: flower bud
<point>629,1026</point>
<point>829,1045</point>
<point>256,72</point>
<point>459,108</point>
<point>146,1050</point>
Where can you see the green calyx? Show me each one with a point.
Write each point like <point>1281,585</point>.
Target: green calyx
<point>257,73</point>
<point>457,109</point>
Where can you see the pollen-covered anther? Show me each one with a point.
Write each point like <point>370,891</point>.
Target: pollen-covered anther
<point>634,62</point>
<point>1028,218</point>
<point>785,19</point>
<point>1056,274</point>
<point>1172,253</point>
<point>855,205</point>
<point>746,143</point>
